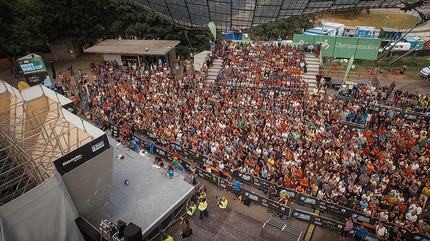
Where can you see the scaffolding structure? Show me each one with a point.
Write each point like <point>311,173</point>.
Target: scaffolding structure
<point>33,134</point>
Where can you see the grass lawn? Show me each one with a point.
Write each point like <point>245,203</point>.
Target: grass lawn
<point>375,19</point>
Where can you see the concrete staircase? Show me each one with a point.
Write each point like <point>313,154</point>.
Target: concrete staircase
<point>313,69</point>
<point>213,71</point>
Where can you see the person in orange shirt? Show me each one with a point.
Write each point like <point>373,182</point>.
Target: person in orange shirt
<point>299,173</point>
<point>304,182</point>
<point>370,168</point>
<point>287,182</point>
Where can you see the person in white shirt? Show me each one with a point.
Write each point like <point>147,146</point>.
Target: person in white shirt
<point>367,212</point>
<point>411,217</point>
<point>381,231</point>
<point>383,216</point>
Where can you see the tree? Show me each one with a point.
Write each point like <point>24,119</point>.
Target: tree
<point>20,27</point>
<point>352,12</point>
<point>27,24</point>
<point>76,19</point>
<point>284,27</point>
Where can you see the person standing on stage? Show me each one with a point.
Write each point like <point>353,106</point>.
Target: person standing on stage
<point>203,207</point>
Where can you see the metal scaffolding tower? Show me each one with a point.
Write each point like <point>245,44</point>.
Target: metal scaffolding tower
<point>31,139</point>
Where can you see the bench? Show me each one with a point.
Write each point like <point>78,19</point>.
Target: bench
<point>285,228</point>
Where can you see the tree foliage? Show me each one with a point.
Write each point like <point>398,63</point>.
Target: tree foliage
<point>283,28</point>
<point>28,24</point>
<point>19,27</point>
<point>353,12</point>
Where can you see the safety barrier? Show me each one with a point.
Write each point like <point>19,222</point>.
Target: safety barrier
<point>288,229</point>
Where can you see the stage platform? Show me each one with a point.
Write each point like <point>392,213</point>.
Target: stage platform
<point>149,197</point>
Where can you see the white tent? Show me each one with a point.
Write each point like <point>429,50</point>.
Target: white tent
<point>199,59</point>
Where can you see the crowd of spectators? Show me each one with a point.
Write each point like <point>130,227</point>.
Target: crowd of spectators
<point>388,95</point>
<point>257,66</point>
<point>289,138</point>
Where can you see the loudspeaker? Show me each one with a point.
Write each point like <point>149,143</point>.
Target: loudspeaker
<point>54,74</point>
<point>121,226</point>
<point>132,233</point>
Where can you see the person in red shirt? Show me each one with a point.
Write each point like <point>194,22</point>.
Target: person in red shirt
<point>410,144</point>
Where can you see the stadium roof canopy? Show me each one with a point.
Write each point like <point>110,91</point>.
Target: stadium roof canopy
<point>243,14</point>
<point>35,130</point>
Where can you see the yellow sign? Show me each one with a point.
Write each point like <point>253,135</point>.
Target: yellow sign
<point>23,85</point>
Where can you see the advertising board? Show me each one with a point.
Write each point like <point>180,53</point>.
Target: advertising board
<point>208,176</point>
<point>33,68</point>
<point>81,155</point>
<point>31,63</point>
<point>343,47</point>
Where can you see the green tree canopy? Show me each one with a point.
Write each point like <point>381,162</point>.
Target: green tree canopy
<point>284,28</point>
<point>19,27</point>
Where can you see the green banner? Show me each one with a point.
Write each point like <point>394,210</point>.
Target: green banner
<point>212,28</point>
<point>350,62</point>
<point>343,47</point>
<point>303,39</point>
<point>327,45</point>
<point>368,48</point>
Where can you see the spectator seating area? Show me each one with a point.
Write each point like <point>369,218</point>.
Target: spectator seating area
<point>286,138</point>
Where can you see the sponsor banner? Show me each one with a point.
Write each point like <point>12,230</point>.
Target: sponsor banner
<point>151,135</point>
<point>317,220</point>
<point>138,140</point>
<point>266,202</point>
<point>254,197</point>
<point>36,78</point>
<point>81,155</point>
<point>261,184</point>
<point>32,64</point>
<point>208,161</point>
<point>311,201</point>
<point>33,68</point>
<point>244,177</point>
<point>70,108</point>
<point>291,193</point>
<point>339,210</point>
<point>115,131</point>
<point>343,47</point>
<point>371,237</point>
<point>361,217</point>
<point>420,237</point>
<point>303,215</point>
<point>208,176</point>
<point>160,151</point>
<point>322,205</point>
<point>225,185</point>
